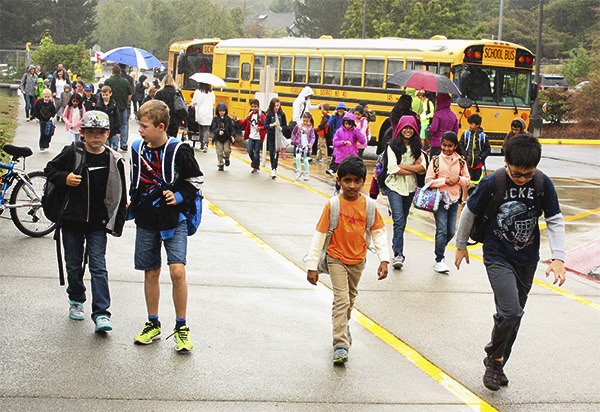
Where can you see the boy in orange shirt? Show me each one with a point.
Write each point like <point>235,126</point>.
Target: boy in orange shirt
<point>347,249</point>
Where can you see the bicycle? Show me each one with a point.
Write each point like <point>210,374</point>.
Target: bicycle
<point>25,202</point>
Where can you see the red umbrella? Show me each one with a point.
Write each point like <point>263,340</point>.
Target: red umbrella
<point>424,80</point>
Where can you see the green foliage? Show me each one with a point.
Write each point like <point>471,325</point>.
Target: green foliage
<point>554,104</point>
<point>75,57</point>
<point>584,103</point>
<point>578,66</point>
<point>450,18</point>
<point>383,18</point>
<point>316,18</point>
<point>8,122</point>
<point>281,6</point>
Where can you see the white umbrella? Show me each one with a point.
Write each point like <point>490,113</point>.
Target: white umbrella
<point>132,56</point>
<point>208,78</point>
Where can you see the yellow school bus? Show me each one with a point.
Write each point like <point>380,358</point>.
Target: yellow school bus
<point>496,75</point>
<point>188,57</point>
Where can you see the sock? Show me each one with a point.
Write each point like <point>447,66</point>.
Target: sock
<point>154,320</point>
<point>179,322</point>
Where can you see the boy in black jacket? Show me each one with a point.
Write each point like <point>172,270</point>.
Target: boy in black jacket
<point>44,110</point>
<point>109,106</point>
<point>223,131</point>
<point>92,178</point>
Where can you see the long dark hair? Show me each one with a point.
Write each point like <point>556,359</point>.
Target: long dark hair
<point>271,108</point>
<point>453,138</point>
<point>399,148</point>
<point>403,107</point>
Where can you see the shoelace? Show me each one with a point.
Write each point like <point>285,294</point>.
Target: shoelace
<point>183,334</point>
<point>148,327</point>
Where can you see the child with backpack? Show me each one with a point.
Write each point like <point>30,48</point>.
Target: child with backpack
<point>108,105</point>
<point>511,242</point>
<point>340,234</point>
<point>165,182</point>
<point>448,173</point>
<point>476,148</point>
<point>90,178</point>
<point>401,162</point>
<point>345,142</point>
<point>44,111</point>
<point>322,132</point>
<point>223,131</point>
<point>254,133</point>
<point>72,116</point>
<point>303,137</point>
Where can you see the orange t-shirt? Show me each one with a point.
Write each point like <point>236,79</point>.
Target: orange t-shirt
<point>348,240</point>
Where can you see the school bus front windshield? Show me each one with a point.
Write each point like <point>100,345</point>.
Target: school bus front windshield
<point>499,86</point>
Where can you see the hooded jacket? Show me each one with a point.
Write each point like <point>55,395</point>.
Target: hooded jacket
<point>511,134</point>
<point>224,124</point>
<point>302,104</point>
<point>444,120</point>
<point>340,149</point>
<point>476,147</point>
<point>28,82</point>
<point>203,103</point>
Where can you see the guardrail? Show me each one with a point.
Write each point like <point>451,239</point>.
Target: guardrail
<point>10,88</point>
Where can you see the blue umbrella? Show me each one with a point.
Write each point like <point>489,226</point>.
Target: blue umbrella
<point>132,56</point>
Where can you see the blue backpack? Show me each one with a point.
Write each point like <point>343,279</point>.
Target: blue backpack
<point>193,216</point>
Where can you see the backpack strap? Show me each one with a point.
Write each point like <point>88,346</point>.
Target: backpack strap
<point>539,184</point>
<point>136,153</point>
<point>168,160</point>
<point>334,217</point>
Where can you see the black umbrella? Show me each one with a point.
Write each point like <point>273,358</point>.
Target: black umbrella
<point>423,80</point>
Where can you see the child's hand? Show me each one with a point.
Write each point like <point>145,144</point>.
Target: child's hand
<point>73,179</point>
<point>312,276</point>
<point>558,268</point>
<point>347,142</point>
<point>169,197</point>
<point>221,132</point>
<point>382,271</point>
<point>459,256</point>
<point>451,181</point>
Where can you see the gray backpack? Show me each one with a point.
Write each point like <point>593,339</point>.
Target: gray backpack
<point>334,216</point>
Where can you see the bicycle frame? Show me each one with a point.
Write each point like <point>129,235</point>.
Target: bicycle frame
<point>7,181</point>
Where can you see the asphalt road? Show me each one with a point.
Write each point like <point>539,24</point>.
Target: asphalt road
<point>262,333</point>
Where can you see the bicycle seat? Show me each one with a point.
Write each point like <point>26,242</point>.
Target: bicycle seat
<point>17,151</point>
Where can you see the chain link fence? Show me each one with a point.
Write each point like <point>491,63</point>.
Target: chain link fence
<point>13,63</point>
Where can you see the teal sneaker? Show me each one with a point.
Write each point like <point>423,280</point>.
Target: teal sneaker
<point>76,310</point>
<point>148,334</point>
<point>103,324</point>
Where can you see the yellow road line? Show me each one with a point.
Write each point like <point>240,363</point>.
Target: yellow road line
<point>425,236</point>
<point>575,142</point>
<point>469,398</point>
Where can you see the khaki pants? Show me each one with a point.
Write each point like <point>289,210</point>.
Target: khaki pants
<point>344,279</point>
<point>223,151</point>
<point>321,148</point>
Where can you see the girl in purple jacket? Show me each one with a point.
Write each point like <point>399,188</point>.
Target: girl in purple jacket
<point>444,120</point>
<point>347,139</point>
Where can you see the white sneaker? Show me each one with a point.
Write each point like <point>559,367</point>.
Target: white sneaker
<point>273,173</point>
<point>441,267</point>
<point>306,177</point>
<point>298,175</point>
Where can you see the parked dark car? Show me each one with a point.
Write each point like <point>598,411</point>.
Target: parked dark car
<point>549,81</point>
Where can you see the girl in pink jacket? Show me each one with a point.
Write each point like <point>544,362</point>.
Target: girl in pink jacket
<point>347,139</point>
<point>73,115</point>
<point>448,172</point>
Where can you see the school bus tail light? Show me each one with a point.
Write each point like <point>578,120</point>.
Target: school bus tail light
<point>473,54</point>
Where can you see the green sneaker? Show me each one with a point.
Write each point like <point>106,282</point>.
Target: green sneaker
<point>182,337</point>
<point>148,334</point>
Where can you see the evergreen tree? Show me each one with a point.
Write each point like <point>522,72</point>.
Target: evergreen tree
<point>316,18</point>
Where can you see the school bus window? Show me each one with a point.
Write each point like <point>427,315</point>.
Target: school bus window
<point>314,69</point>
<point>259,63</point>
<point>445,69</point>
<point>273,62</point>
<point>393,67</point>
<point>353,68</point>
<point>414,65</point>
<point>232,66</point>
<point>246,71</point>
<point>374,72</point>
<point>300,69</point>
<point>432,67</point>
<point>331,70</point>
<point>285,69</point>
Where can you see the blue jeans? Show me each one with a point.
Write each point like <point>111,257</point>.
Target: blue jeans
<point>74,244</point>
<point>445,227</point>
<point>29,101</point>
<point>400,206</point>
<point>254,146</point>
<point>124,126</point>
<point>147,247</point>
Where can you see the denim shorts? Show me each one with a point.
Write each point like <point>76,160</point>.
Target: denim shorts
<point>147,247</point>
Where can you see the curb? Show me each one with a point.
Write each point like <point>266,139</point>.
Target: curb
<point>576,142</point>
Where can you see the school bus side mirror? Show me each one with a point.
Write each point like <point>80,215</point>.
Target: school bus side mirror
<point>464,103</point>
<point>181,63</point>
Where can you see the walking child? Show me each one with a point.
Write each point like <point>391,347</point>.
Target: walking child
<point>165,178</point>
<point>347,249</point>
<point>254,133</point>
<point>303,138</point>
<point>322,132</point>
<point>476,148</point>
<point>447,172</point>
<point>108,105</point>
<point>334,123</point>
<point>89,97</point>
<point>223,131</point>
<point>362,123</point>
<point>44,111</point>
<point>511,243</point>
<point>94,195</point>
<point>346,141</point>
<point>72,117</point>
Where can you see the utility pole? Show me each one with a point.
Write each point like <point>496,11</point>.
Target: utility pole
<point>364,26</point>
<point>500,19</point>
<point>535,123</point>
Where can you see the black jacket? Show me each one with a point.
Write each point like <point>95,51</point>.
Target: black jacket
<point>114,115</point>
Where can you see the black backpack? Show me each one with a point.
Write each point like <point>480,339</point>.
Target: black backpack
<point>482,219</point>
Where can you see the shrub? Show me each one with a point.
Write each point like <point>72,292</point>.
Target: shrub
<point>554,105</point>
<point>584,107</point>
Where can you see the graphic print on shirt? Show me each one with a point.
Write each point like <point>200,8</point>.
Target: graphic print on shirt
<point>517,221</point>
<point>151,173</point>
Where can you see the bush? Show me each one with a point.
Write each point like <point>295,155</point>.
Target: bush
<point>554,105</point>
<point>75,57</point>
<point>584,103</point>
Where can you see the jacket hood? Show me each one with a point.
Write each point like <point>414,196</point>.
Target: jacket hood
<point>443,101</point>
<point>39,80</point>
<point>349,116</point>
<point>407,121</point>
<point>523,125</point>
<point>307,91</point>
<point>341,105</point>
<point>221,106</point>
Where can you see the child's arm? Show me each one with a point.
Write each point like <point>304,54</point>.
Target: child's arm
<point>431,177</point>
<point>556,239</point>
<point>338,140</point>
<point>486,148</point>
<point>464,177</point>
<point>311,136</point>
<point>467,218</point>
<point>361,140</point>
<point>316,245</point>
<point>380,242</point>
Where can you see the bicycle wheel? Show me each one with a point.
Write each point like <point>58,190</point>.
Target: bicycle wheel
<point>30,219</point>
